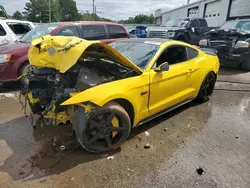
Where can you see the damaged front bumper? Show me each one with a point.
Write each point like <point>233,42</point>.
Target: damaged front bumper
<point>233,58</point>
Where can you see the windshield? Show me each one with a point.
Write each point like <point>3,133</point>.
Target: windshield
<point>243,25</point>
<point>181,22</point>
<point>37,32</point>
<point>137,52</point>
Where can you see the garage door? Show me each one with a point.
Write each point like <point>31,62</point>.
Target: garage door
<point>165,17</point>
<point>193,13</point>
<point>240,8</point>
<point>212,13</point>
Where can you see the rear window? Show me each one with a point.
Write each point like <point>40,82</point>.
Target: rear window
<point>203,23</point>
<point>191,53</point>
<point>2,31</point>
<point>19,28</point>
<point>116,31</point>
<point>93,32</point>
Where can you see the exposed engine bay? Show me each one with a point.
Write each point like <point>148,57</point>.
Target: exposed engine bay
<point>232,45</point>
<point>48,88</point>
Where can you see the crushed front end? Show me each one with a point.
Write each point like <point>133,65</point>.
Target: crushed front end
<point>64,68</point>
<point>233,47</point>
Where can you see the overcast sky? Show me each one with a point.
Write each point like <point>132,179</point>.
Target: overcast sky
<point>113,9</point>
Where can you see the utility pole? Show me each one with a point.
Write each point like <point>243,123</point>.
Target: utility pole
<point>49,11</point>
<point>95,14</point>
<point>93,9</point>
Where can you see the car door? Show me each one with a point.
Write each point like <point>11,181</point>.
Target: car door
<point>203,27</point>
<point>195,31</point>
<point>172,87</point>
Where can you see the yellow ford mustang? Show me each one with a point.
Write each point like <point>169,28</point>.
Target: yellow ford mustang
<point>105,90</point>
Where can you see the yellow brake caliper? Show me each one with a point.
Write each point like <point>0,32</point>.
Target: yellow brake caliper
<point>115,123</point>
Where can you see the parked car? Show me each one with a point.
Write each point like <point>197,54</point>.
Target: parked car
<point>189,30</point>
<point>11,30</point>
<point>232,41</point>
<point>140,31</point>
<point>109,89</point>
<point>13,57</point>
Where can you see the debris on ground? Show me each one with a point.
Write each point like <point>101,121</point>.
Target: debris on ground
<point>62,147</point>
<point>188,125</point>
<point>147,146</point>
<point>200,171</point>
<point>139,138</point>
<point>72,179</point>
<point>137,146</point>
<point>43,181</point>
<point>165,129</point>
<point>105,177</point>
<point>146,133</point>
<point>236,137</point>
<point>110,157</point>
<point>29,177</point>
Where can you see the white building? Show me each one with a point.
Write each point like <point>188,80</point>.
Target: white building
<point>216,12</point>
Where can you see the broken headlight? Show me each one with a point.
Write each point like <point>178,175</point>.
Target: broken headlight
<point>242,44</point>
<point>203,42</point>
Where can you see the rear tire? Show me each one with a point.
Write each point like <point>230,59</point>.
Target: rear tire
<point>207,87</point>
<point>98,133</point>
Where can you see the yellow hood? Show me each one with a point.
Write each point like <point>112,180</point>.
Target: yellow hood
<point>62,52</point>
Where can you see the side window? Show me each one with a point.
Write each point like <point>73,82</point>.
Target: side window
<point>116,31</point>
<point>2,31</point>
<point>203,23</point>
<point>191,53</point>
<point>19,28</point>
<point>93,32</point>
<point>67,31</point>
<point>172,55</point>
<point>194,23</point>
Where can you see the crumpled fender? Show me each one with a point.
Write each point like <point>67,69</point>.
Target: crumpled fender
<point>129,89</point>
<point>98,95</point>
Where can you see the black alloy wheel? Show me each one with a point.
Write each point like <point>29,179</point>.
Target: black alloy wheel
<point>106,128</point>
<point>207,87</point>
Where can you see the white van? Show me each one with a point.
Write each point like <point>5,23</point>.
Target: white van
<point>12,30</point>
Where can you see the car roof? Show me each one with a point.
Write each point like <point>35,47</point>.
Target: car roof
<point>85,23</point>
<point>156,41</point>
<point>13,20</point>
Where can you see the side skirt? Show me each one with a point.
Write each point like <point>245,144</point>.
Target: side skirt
<point>164,112</point>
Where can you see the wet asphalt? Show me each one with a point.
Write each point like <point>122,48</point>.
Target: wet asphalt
<point>197,145</point>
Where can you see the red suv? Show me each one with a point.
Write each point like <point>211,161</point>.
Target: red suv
<point>13,57</point>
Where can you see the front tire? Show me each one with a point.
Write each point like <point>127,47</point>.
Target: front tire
<point>25,68</point>
<point>246,65</point>
<point>207,87</point>
<point>106,128</point>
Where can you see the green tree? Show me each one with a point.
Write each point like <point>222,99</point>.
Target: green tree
<point>38,10</point>
<point>69,10</point>
<point>139,19</point>
<point>17,15</point>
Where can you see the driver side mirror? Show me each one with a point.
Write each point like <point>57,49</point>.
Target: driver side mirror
<point>163,67</point>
